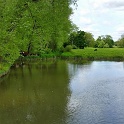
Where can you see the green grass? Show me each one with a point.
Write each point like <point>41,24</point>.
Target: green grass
<point>4,69</point>
<point>101,53</point>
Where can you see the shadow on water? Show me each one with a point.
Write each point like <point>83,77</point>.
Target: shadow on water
<point>35,93</point>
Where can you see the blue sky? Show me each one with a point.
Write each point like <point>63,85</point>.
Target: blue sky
<point>100,17</point>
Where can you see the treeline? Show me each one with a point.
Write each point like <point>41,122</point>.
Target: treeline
<point>80,39</point>
<point>120,42</point>
<point>34,26</point>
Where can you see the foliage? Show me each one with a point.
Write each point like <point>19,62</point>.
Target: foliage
<point>104,41</point>
<point>101,44</point>
<point>120,42</point>
<point>37,27</point>
<point>89,39</point>
<point>77,39</point>
<point>81,39</point>
<point>68,48</point>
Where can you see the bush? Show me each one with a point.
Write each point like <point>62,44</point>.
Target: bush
<point>106,46</point>
<point>74,47</point>
<point>68,48</point>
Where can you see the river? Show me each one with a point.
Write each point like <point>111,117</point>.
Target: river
<point>63,92</point>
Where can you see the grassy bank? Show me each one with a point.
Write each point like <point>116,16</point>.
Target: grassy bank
<point>101,53</point>
<point>85,54</point>
<point>4,69</point>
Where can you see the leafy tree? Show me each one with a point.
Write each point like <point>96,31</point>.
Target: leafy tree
<point>80,40</point>
<point>101,44</point>
<point>72,38</point>
<point>106,45</point>
<point>35,26</point>
<point>107,39</point>
<point>89,39</point>
<point>9,51</point>
<point>97,42</point>
<point>77,39</point>
<point>120,42</point>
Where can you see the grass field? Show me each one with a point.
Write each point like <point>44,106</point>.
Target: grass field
<point>101,53</point>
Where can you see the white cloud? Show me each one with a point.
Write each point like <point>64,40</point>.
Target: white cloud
<point>120,29</point>
<point>108,23</point>
<point>100,17</point>
<point>85,21</point>
<point>114,3</point>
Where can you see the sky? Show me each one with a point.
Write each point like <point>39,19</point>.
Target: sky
<point>100,17</point>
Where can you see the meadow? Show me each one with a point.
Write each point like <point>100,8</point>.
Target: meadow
<point>100,54</point>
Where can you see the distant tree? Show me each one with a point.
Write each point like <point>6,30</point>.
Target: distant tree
<point>101,44</point>
<point>106,45</point>
<point>89,39</point>
<point>72,38</point>
<point>79,40</point>
<point>107,39</point>
<point>120,42</point>
<point>97,42</point>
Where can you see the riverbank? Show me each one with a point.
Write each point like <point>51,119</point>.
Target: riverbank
<point>112,54</point>
<point>4,69</point>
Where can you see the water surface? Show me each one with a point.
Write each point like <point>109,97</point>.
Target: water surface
<point>60,92</point>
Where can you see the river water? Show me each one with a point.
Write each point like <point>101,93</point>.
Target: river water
<point>62,92</point>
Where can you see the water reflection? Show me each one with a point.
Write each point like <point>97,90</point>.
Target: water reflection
<point>62,92</point>
<point>35,93</point>
<point>97,95</point>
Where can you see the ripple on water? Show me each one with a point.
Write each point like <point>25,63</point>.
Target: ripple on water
<point>100,103</point>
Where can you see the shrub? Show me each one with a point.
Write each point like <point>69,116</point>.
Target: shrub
<point>74,47</point>
<point>106,45</point>
<point>68,48</point>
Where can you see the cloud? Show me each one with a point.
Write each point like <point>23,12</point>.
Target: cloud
<point>85,21</point>
<point>83,12</point>
<point>108,4</point>
<point>108,23</point>
<point>114,4</point>
<point>100,17</point>
<point>120,29</point>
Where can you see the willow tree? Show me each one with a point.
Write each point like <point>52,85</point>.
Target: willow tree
<point>33,26</point>
<point>44,23</point>
<point>9,51</point>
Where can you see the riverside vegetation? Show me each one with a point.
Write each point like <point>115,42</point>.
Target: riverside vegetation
<point>33,26</point>
<point>43,29</point>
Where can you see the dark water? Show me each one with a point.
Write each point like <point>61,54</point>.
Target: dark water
<point>63,93</point>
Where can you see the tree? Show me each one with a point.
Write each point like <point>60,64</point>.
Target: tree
<point>89,39</point>
<point>101,44</point>
<point>120,42</point>
<point>107,39</point>
<point>79,40</point>
<point>9,51</point>
<point>34,26</point>
<point>72,38</point>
